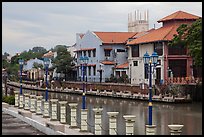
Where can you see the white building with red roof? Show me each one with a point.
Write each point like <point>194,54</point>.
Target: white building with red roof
<point>173,59</point>
<point>104,49</point>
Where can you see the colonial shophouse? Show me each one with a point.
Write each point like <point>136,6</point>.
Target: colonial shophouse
<point>173,59</point>
<point>105,51</point>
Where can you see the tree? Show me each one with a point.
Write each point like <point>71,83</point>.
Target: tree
<point>39,50</point>
<point>37,65</point>
<point>5,64</point>
<point>63,61</point>
<point>59,46</point>
<point>191,36</point>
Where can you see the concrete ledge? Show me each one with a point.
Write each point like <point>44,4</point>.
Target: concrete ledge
<point>5,105</point>
<point>25,113</point>
<point>56,126</point>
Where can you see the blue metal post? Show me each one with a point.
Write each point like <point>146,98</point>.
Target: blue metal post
<point>83,96</point>
<point>21,79</point>
<point>46,92</point>
<point>150,93</point>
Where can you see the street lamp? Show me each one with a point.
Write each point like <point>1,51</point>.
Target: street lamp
<point>84,61</point>
<point>20,61</point>
<point>46,65</point>
<point>150,60</point>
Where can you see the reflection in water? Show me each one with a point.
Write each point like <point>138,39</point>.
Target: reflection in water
<point>190,115</point>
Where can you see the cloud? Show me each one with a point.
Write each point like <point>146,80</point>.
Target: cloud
<point>29,24</point>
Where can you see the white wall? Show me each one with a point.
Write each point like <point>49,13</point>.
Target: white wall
<point>137,72</point>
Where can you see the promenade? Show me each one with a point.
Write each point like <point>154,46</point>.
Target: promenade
<point>37,122</point>
<point>14,126</point>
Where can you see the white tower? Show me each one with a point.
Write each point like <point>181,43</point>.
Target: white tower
<point>138,23</point>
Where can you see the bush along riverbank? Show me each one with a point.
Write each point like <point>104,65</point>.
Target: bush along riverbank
<point>8,99</point>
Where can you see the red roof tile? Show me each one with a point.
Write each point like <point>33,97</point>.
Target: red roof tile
<point>115,37</point>
<point>121,66</point>
<point>91,65</point>
<point>108,62</point>
<point>81,35</point>
<point>49,54</point>
<point>178,16</point>
<point>163,33</point>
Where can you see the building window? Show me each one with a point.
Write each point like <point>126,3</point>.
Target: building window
<point>89,53</point>
<point>94,53</point>
<point>123,73</point>
<point>135,63</point>
<point>94,70</point>
<point>89,70</point>
<point>79,54</point>
<point>177,50</point>
<point>117,74</point>
<point>158,47</point>
<point>107,53</point>
<point>135,51</point>
<point>146,71</point>
<point>120,50</point>
<point>84,53</point>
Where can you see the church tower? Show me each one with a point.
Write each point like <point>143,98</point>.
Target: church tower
<point>138,23</point>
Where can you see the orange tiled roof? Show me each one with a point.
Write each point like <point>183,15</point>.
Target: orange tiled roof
<point>125,65</point>
<point>179,15</point>
<point>49,54</point>
<point>115,37</point>
<point>81,35</point>
<point>163,33</point>
<point>91,65</point>
<point>108,62</point>
<point>83,49</point>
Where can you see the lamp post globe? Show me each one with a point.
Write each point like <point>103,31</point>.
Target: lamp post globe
<point>154,57</point>
<point>146,58</point>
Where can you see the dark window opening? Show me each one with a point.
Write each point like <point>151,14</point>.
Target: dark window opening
<point>177,50</point>
<point>158,47</point>
<point>120,50</point>
<point>178,67</point>
<point>94,53</point>
<point>135,63</point>
<point>94,70</point>
<point>146,71</point>
<point>89,53</point>
<point>84,53</point>
<point>135,51</point>
<point>107,53</point>
<point>89,70</point>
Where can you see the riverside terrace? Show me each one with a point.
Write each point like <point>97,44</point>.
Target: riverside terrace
<point>106,90</point>
<point>33,113</point>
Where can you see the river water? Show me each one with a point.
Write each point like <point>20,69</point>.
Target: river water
<point>189,114</point>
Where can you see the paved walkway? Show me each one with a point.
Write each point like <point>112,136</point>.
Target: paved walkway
<point>14,126</point>
<point>38,122</point>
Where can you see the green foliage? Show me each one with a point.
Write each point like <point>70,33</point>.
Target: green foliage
<point>9,99</point>
<point>5,64</point>
<point>39,50</point>
<point>191,36</point>
<point>57,47</point>
<point>122,79</point>
<point>63,61</point>
<point>37,65</point>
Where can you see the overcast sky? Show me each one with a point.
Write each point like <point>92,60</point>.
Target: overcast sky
<point>29,24</point>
